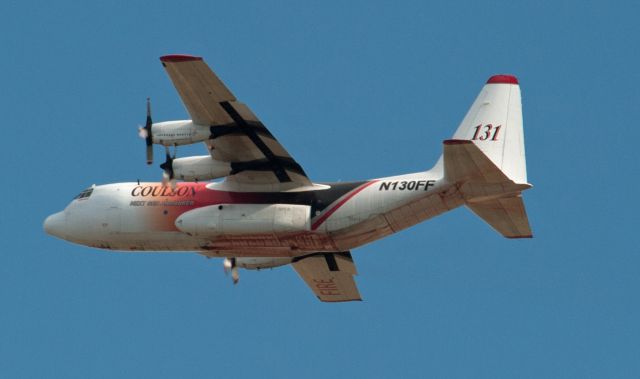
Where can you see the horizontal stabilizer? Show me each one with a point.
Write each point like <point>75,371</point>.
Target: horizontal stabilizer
<point>506,215</point>
<point>463,160</point>
<point>487,191</point>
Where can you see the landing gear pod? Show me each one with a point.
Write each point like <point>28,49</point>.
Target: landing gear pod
<point>216,220</point>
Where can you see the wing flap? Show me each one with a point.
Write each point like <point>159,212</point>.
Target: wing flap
<point>329,275</point>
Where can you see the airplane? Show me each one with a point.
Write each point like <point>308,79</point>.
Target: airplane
<point>249,202</point>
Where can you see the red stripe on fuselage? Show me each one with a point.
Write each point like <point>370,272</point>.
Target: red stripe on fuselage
<point>328,213</point>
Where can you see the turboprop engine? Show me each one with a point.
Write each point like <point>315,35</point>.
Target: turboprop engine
<point>175,133</point>
<point>170,133</point>
<point>202,167</point>
<point>230,219</point>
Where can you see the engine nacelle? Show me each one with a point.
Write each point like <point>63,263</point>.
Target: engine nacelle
<point>200,168</point>
<point>259,263</point>
<point>183,132</point>
<point>234,219</point>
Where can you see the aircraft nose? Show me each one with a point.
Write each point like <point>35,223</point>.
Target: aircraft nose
<point>55,224</point>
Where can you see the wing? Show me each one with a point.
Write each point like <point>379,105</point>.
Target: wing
<point>329,275</point>
<point>237,135</point>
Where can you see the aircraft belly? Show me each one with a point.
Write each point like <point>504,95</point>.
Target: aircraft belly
<point>374,228</point>
<point>148,241</point>
<point>290,244</point>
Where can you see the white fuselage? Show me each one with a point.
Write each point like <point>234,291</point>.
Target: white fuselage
<point>206,217</point>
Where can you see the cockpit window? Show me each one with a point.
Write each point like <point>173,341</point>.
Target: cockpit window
<point>84,194</point>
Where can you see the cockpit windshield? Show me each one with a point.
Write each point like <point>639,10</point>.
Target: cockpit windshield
<point>84,194</point>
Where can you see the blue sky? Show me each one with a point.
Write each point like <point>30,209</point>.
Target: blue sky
<point>353,90</point>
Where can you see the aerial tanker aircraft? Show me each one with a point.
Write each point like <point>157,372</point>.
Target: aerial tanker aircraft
<point>266,212</point>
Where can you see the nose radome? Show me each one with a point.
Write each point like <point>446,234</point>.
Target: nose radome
<point>55,224</point>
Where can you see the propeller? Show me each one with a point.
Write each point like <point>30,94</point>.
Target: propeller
<point>146,133</point>
<point>167,167</point>
<point>229,264</point>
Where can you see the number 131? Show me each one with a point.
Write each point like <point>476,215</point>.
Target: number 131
<point>486,132</point>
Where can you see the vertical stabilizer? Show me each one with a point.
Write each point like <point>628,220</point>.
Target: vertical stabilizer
<point>486,158</point>
<point>494,124</point>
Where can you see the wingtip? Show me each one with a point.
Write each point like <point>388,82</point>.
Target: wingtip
<point>503,79</point>
<point>179,58</point>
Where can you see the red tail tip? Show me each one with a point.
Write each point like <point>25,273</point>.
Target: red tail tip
<point>179,58</point>
<point>502,79</point>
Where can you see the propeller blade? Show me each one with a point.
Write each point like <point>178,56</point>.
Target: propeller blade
<point>147,133</point>
<point>226,265</point>
<point>229,265</point>
<point>149,154</point>
<point>167,167</point>
<point>235,275</point>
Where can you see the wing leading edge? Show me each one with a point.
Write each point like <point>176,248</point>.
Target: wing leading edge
<point>237,135</point>
<point>329,275</point>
